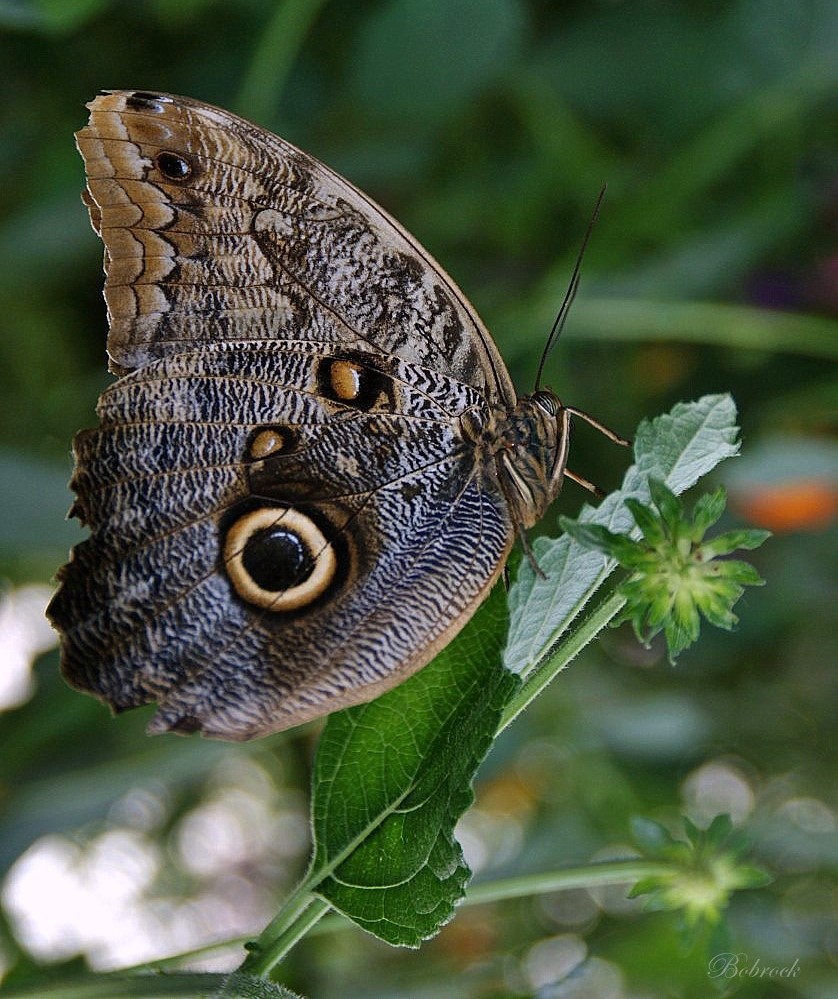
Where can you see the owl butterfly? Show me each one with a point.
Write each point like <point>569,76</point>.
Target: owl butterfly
<point>313,464</point>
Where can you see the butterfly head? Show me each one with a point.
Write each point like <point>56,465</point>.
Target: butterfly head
<point>530,455</point>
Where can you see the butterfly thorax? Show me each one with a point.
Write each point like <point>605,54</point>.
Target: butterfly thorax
<point>525,448</point>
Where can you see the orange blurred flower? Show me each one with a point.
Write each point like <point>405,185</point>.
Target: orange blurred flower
<point>795,505</point>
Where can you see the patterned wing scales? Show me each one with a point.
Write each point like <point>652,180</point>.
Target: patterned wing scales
<point>151,607</point>
<point>216,230</point>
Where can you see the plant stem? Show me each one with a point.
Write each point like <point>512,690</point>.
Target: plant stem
<point>310,919</point>
<point>610,872</point>
<point>272,943</point>
<point>260,962</point>
<point>556,658</point>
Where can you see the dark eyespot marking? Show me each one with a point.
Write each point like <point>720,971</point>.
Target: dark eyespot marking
<point>265,441</point>
<point>277,558</point>
<point>174,166</point>
<point>351,382</point>
<point>142,100</point>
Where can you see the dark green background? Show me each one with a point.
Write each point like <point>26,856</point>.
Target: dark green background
<point>487,127</point>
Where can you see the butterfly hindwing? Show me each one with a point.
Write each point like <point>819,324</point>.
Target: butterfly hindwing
<point>158,603</point>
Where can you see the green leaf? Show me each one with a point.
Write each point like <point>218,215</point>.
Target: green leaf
<point>707,511</point>
<point>392,778</point>
<point>239,986</point>
<point>747,538</point>
<point>596,536</point>
<point>671,508</point>
<point>649,525</point>
<point>677,448</point>
<point>643,887</point>
<point>719,614</point>
<point>681,632</point>
<point>753,877</point>
<point>719,827</point>
<point>741,573</point>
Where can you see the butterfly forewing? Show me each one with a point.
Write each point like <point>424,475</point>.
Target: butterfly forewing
<point>216,229</point>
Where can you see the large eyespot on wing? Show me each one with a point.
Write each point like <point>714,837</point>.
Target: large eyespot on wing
<point>278,559</point>
<point>215,229</point>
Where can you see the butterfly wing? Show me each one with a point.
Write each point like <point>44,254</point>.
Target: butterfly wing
<point>216,230</point>
<point>291,499</point>
<point>198,453</point>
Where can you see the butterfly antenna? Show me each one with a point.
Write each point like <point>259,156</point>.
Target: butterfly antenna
<point>570,294</point>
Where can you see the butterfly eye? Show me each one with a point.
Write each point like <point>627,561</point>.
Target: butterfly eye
<point>546,402</point>
<point>173,166</point>
<point>278,558</point>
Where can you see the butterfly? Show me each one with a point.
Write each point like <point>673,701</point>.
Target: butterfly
<point>313,463</point>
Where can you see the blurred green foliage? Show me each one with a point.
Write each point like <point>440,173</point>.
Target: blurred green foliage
<point>487,128</point>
